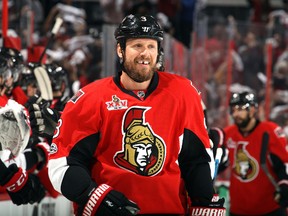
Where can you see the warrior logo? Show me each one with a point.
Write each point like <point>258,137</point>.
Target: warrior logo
<point>245,166</point>
<point>116,103</point>
<point>143,151</point>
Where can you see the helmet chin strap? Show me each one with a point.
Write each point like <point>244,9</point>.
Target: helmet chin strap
<point>122,60</point>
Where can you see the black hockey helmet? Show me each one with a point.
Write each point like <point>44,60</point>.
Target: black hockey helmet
<point>139,26</point>
<point>17,61</point>
<point>57,76</point>
<point>244,98</point>
<point>10,52</point>
<point>5,69</point>
<point>28,77</point>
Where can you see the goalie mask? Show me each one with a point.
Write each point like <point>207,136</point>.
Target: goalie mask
<point>14,127</point>
<point>5,71</point>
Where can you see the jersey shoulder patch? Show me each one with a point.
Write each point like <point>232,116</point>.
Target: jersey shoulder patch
<point>77,96</point>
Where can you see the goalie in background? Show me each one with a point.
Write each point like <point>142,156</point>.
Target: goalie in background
<point>32,157</point>
<point>247,179</point>
<point>22,187</point>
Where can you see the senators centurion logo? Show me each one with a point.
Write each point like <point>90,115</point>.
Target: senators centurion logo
<point>245,166</point>
<point>143,152</point>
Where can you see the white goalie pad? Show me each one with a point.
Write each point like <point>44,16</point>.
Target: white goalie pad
<point>14,128</point>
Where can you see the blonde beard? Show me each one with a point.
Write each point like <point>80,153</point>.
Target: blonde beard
<point>139,76</point>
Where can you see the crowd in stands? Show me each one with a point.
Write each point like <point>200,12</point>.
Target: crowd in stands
<point>78,45</point>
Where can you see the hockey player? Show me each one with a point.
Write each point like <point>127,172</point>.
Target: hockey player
<point>12,61</point>
<point>22,187</point>
<point>244,141</point>
<point>60,86</point>
<point>137,142</point>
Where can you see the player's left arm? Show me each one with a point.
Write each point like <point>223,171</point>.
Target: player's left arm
<point>196,160</point>
<point>279,159</point>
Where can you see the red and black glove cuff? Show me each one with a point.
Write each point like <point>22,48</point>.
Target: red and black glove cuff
<point>95,199</point>
<point>43,150</point>
<point>17,181</point>
<point>206,208</point>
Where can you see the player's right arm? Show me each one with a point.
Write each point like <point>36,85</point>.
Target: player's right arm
<point>72,155</point>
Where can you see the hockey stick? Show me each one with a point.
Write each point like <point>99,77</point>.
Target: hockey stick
<point>44,83</point>
<point>54,31</point>
<point>263,158</point>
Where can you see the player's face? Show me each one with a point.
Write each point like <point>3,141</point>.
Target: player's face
<point>143,153</point>
<point>140,58</point>
<point>241,115</point>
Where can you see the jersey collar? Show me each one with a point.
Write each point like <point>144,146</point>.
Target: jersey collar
<point>152,86</point>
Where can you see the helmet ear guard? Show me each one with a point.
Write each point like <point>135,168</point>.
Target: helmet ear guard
<point>160,60</point>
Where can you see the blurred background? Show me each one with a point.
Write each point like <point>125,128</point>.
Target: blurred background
<point>223,46</point>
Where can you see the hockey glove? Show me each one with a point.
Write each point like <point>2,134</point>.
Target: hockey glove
<point>36,99</point>
<point>60,104</point>
<point>42,150</point>
<point>43,121</point>
<point>283,198</point>
<point>37,156</point>
<point>206,208</point>
<point>21,187</point>
<point>105,201</point>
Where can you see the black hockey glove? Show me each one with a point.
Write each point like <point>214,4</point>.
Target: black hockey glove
<point>283,193</point>
<point>36,99</point>
<point>23,188</point>
<point>36,157</point>
<point>105,201</point>
<point>207,208</point>
<point>60,104</point>
<point>43,121</point>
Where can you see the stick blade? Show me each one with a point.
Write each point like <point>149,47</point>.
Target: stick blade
<point>44,83</point>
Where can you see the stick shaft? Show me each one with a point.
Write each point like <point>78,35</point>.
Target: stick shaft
<point>263,160</point>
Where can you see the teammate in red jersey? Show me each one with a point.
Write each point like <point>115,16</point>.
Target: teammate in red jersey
<point>135,143</point>
<point>251,191</point>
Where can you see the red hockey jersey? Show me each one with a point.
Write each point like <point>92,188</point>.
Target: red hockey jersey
<point>131,142</point>
<point>251,191</point>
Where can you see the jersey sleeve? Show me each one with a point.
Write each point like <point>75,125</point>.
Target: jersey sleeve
<point>278,151</point>
<point>194,157</point>
<point>73,146</point>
